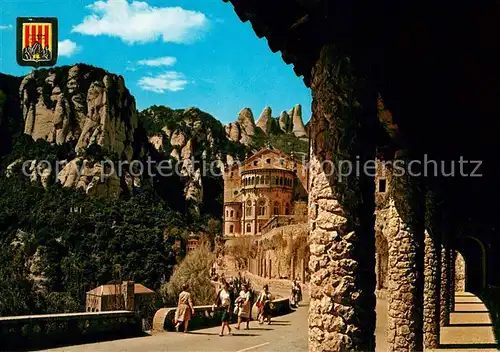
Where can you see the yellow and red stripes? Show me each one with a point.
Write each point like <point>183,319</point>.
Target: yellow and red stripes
<point>37,32</point>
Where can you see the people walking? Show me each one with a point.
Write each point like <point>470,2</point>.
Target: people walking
<point>296,295</point>
<point>223,301</point>
<point>243,303</point>
<point>299,291</point>
<point>265,299</point>
<point>185,309</point>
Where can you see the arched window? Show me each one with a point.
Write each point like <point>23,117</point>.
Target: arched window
<point>231,228</point>
<point>276,208</point>
<point>249,228</point>
<point>262,180</point>
<point>267,180</point>
<point>232,213</point>
<point>257,180</point>
<point>281,181</point>
<point>249,208</point>
<point>287,209</point>
<point>253,181</point>
<point>277,180</point>
<point>262,207</point>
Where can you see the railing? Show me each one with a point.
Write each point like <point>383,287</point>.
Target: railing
<point>47,330</point>
<point>277,221</point>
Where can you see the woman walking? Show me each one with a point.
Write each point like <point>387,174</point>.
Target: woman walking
<point>185,309</point>
<point>265,305</point>
<point>243,302</point>
<point>224,301</point>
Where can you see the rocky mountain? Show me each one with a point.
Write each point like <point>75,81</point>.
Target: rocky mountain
<point>86,115</point>
<point>82,107</point>
<point>82,104</point>
<point>245,131</point>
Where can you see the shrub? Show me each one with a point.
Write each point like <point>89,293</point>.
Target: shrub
<point>194,270</point>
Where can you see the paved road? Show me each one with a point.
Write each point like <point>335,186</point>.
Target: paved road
<point>286,333</point>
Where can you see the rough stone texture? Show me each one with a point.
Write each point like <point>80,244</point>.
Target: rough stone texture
<point>285,122</point>
<point>299,130</point>
<point>233,131</point>
<point>459,273</point>
<point>342,241</point>
<point>93,178</point>
<point>265,120</point>
<point>85,104</point>
<point>431,291</point>
<point>451,281</point>
<point>444,306</point>
<point>282,244</point>
<point>247,126</point>
<point>405,306</point>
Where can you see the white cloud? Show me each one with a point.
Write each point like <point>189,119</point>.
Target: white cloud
<point>9,26</point>
<point>68,48</point>
<point>138,22</point>
<point>171,81</point>
<point>161,61</point>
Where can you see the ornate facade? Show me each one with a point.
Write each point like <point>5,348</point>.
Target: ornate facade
<point>262,188</point>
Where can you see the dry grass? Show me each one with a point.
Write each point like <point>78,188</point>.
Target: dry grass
<point>194,270</point>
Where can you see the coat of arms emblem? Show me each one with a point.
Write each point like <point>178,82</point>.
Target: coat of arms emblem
<point>36,41</point>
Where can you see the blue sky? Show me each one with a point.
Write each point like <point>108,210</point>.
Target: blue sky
<point>177,53</point>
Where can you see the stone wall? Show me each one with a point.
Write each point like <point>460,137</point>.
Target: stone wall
<point>207,316</point>
<point>282,253</point>
<point>35,332</point>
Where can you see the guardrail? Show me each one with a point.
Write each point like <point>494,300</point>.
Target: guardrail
<point>48,330</point>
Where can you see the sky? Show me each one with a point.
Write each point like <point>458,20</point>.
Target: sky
<point>177,53</point>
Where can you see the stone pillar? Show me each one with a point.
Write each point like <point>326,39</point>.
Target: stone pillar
<point>432,286</point>
<point>341,208</point>
<point>377,271</point>
<point>270,268</point>
<point>303,270</point>
<point>128,294</point>
<point>265,268</point>
<point>451,281</point>
<point>406,261</point>
<point>292,268</point>
<point>445,287</point>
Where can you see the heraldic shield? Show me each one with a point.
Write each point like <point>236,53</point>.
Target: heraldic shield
<point>36,41</point>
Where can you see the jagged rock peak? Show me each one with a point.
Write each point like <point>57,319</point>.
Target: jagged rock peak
<point>247,126</point>
<point>79,103</point>
<point>299,129</point>
<point>285,122</point>
<point>265,120</point>
<point>245,117</point>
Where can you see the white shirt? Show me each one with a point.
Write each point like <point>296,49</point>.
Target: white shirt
<point>225,298</point>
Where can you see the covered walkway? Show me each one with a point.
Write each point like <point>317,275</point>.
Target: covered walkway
<point>470,328</point>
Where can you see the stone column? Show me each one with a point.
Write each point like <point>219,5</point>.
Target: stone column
<point>292,268</point>
<point>444,304</point>
<point>265,268</point>
<point>451,281</point>
<point>303,270</point>
<point>406,261</point>
<point>432,286</point>
<point>270,268</point>
<point>377,271</point>
<point>341,208</point>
